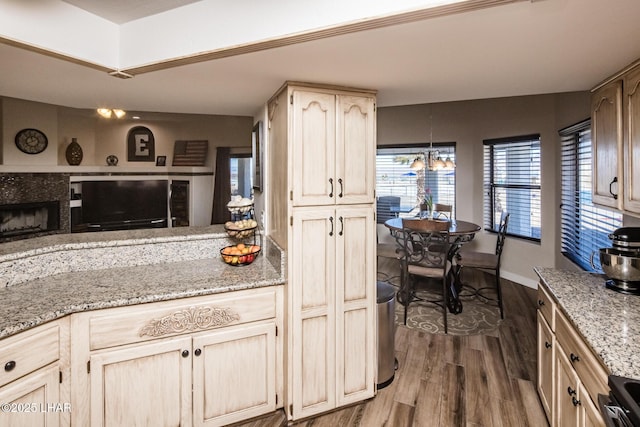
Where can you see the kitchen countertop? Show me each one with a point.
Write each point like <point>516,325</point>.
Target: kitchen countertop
<point>609,321</point>
<point>42,299</point>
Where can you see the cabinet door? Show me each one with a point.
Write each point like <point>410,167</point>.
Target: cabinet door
<point>631,110</point>
<point>355,304</point>
<point>234,374</point>
<point>355,149</point>
<point>546,347</point>
<point>312,310</point>
<point>34,400</point>
<point>566,412</point>
<point>591,414</point>
<point>606,137</point>
<point>142,385</point>
<point>313,147</point>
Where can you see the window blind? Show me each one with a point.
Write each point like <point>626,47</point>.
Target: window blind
<point>512,184</point>
<point>395,178</point>
<point>584,227</point>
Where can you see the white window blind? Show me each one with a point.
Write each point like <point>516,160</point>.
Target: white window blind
<point>584,227</point>
<point>395,178</point>
<point>512,184</point>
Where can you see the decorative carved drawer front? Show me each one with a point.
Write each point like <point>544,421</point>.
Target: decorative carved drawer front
<point>28,351</point>
<point>144,322</point>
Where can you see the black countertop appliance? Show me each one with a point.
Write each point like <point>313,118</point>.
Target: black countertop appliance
<point>621,262</point>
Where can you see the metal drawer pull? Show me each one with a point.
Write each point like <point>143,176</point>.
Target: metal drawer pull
<point>331,182</point>
<point>198,352</point>
<point>571,391</point>
<point>547,344</point>
<point>331,220</point>
<point>9,365</point>
<point>540,302</point>
<point>615,179</point>
<point>185,353</point>
<point>340,182</point>
<point>341,226</point>
<point>575,401</point>
<point>574,358</point>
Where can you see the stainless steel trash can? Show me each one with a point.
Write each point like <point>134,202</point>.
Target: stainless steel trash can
<point>386,334</point>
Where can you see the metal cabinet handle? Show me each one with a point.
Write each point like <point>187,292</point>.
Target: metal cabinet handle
<point>574,358</point>
<point>613,181</point>
<point>341,226</point>
<point>547,344</point>
<point>575,401</point>
<point>571,391</point>
<point>331,182</point>
<point>185,353</point>
<point>197,352</point>
<point>340,182</point>
<point>10,365</point>
<point>540,302</point>
<point>331,220</point>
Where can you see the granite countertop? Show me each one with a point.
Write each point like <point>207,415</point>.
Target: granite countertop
<point>609,321</point>
<point>42,299</point>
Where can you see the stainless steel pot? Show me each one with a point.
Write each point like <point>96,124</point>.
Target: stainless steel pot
<point>619,264</point>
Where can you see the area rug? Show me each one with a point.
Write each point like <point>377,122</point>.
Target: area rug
<point>478,315</point>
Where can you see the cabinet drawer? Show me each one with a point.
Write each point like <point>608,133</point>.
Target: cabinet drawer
<point>144,322</point>
<point>546,306</point>
<point>591,373</point>
<point>28,351</point>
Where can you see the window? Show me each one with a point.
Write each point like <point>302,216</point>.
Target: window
<point>395,179</point>
<point>585,228</point>
<point>512,183</point>
<point>241,176</point>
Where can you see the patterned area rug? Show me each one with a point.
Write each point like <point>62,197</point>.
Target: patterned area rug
<point>478,315</point>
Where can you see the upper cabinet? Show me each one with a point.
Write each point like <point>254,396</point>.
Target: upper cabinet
<point>631,109</point>
<point>606,136</point>
<point>333,148</point>
<point>615,112</point>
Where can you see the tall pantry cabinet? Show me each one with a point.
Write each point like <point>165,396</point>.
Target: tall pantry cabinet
<point>321,181</point>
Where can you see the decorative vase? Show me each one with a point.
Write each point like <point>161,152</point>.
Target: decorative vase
<point>74,153</point>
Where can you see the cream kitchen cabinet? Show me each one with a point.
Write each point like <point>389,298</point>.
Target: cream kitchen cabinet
<point>321,158</point>
<point>34,383</point>
<point>333,350</point>
<point>570,377</point>
<point>202,361</point>
<point>631,110</point>
<point>606,139</point>
<point>333,148</point>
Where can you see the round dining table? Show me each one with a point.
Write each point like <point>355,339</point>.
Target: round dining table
<point>460,233</point>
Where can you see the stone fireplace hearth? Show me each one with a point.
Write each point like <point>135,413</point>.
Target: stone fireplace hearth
<point>33,204</point>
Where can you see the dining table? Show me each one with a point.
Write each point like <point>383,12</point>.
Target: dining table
<point>460,232</point>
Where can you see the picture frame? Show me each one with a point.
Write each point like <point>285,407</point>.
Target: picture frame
<point>257,157</point>
<point>161,161</point>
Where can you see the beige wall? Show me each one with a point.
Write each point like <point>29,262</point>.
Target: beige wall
<point>468,123</point>
<point>100,137</point>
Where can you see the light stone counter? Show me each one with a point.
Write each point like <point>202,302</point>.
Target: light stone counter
<point>46,278</point>
<point>608,321</point>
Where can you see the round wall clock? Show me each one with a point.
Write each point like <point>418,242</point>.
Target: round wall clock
<point>31,141</point>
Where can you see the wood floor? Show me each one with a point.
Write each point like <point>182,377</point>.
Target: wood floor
<point>446,380</point>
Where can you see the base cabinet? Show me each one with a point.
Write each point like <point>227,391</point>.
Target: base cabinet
<point>33,400</point>
<point>569,375</point>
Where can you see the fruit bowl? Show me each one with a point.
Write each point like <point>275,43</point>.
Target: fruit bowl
<point>240,254</point>
<point>242,228</point>
<point>240,205</point>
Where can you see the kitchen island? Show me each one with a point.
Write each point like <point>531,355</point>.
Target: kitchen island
<point>93,318</point>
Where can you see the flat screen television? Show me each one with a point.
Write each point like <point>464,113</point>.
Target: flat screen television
<point>119,205</point>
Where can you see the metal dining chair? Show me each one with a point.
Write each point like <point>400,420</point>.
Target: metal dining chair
<point>486,261</point>
<point>425,255</point>
<point>442,210</point>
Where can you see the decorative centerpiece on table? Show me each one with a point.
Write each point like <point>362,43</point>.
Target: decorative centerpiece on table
<point>427,204</point>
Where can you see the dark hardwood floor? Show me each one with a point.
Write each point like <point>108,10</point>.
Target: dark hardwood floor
<point>447,380</point>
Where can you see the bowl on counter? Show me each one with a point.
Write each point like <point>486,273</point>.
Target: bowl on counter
<point>620,264</point>
<point>240,254</point>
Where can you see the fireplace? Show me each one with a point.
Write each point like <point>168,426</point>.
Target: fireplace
<point>22,219</point>
<point>33,205</point>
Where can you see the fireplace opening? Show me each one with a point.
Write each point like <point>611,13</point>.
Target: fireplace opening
<point>28,218</point>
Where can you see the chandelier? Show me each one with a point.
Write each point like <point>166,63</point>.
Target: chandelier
<point>431,159</point>
<point>108,112</point>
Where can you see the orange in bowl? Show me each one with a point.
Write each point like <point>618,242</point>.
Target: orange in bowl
<point>240,254</point>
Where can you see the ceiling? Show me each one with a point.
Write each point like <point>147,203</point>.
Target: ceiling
<point>529,47</point>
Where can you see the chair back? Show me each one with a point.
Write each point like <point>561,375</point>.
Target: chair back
<point>442,210</point>
<point>425,242</point>
<point>383,208</point>
<point>502,232</point>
